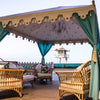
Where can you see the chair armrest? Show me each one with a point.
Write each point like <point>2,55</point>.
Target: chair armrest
<point>65,71</point>
<point>67,75</point>
<point>11,73</point>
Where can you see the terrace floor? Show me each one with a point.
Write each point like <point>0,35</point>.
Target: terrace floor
<point>40,91</point>
<point>44,91</point>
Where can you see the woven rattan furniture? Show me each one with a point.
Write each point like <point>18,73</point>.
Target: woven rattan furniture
<point>29,76</point>
<point>43,74</point>
<point>11,79</point>
<point>29,73</point>
<point>75,82</point>
<point>47,76</point>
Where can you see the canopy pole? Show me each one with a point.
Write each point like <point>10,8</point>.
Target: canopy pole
<point>93,2</point>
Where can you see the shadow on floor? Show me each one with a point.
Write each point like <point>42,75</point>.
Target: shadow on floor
<point>8,94</point>
<point>73,97</point>
<point>69,97</point>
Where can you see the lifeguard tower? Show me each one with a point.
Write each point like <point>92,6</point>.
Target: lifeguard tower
<point>62,53</point>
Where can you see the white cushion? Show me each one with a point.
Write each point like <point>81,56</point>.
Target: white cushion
<point>38,68</point>
<point>12,65</point>
<point>1,66</point>
<point>28,78</point>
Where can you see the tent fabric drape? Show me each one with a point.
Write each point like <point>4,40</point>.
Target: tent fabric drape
<point>44,48</point>
<point>46,14</point>
<point>90,27</point>
<point>53,23</point>
<point>3,32</point>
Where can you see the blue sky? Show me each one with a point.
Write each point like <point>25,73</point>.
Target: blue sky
<point>12,48</point>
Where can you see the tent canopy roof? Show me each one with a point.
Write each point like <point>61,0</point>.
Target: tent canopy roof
<point>55,25</point>
<point>46,10</point>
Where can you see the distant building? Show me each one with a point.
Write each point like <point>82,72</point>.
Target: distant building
<point>62,53</point>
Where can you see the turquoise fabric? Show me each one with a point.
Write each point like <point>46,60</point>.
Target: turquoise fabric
<point>90,27</point>
<point>3,32</point>
<point>44,48</point>
<point>66,65</point>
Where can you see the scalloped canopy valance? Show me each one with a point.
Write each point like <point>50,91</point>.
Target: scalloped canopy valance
<point>55,25</point>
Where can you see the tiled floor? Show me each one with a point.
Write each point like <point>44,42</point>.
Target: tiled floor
<point>44,91</point>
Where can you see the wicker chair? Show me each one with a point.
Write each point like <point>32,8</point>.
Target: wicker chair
<point>75,82</point>
<point>41,74</point>
<point>29,76</point>
<point>11,79</point>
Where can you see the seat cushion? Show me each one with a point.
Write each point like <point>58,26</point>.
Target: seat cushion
<point>69,84</point>
<point>44,74</point>
<point>28,78</point>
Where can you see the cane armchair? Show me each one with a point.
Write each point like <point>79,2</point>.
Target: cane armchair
<point>29,76</point>
<point>11,79</point>
<point>75,82</point>
<point>44,72</point>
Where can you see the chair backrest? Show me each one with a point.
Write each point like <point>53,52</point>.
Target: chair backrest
<point>86,74</point>
<point>83,73</point>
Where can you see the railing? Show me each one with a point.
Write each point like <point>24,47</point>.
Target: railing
<point>33,64</point>
<point>50,65</point>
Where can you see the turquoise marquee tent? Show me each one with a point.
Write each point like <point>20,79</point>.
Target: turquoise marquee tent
<point>72,24</point>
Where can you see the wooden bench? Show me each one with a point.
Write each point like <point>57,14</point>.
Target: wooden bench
<point>11,79</point>
<point>75,82</point>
